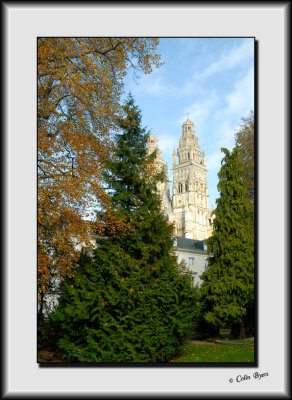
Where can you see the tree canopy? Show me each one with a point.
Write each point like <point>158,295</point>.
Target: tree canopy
<point>80,82</point>
<point>228,282</point>
<point>245,141</point>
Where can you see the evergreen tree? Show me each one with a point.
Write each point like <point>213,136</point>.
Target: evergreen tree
<point>245,141</point>
<point>228,282</point>
<point>128,302</point>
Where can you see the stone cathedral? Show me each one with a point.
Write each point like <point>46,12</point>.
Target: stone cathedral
<point>187,208</point>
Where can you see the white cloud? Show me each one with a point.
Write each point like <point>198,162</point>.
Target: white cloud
<point>200,111</point>
<point>226,113</point>
<point>226,135</point>
<point>224,138</point>
<point>191,87</point>
<point>240,100</point>
<point>154,85</point>
<point>229,59</point>
<point>167,143</point>
<point>213,161</point>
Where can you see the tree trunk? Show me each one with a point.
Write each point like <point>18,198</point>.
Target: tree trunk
<point>41,309</point>
<point>242,330</point>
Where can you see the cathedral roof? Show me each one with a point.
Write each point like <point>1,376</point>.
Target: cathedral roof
<point>188,122</point>
<point>152,137</point>
<point>183,243</point>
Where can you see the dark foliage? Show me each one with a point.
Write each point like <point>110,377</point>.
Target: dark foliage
<point>129,301</point>
<point>228,282</point>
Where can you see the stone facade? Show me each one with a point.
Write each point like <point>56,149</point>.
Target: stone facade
<point>163,187</point>
<point>194,255</point>
<point>187,209</point>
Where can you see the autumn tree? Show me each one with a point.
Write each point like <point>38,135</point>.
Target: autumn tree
<point>80,81</point>
<point>128,301</point>
<point>245,141</point>
<point>228,282</point>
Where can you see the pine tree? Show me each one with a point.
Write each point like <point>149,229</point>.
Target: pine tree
<point>245,141</point>
<point>228,282</point>
<point>128,302</point>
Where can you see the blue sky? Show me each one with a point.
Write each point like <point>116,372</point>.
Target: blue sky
<point>212,79</point>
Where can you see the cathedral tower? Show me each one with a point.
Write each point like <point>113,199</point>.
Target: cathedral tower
<point>163,187</point>
<point>190,212</point>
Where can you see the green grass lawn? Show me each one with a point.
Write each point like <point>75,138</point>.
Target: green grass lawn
<point>214,352</point>
<point>194,353</point>
<point>237,341</point>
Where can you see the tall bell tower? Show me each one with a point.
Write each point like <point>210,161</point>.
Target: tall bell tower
<point>190,212</point>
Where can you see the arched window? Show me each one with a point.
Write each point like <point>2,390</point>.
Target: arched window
<point>186,186</point>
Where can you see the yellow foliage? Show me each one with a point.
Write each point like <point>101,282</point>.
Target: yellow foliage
<point>79,88</point>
